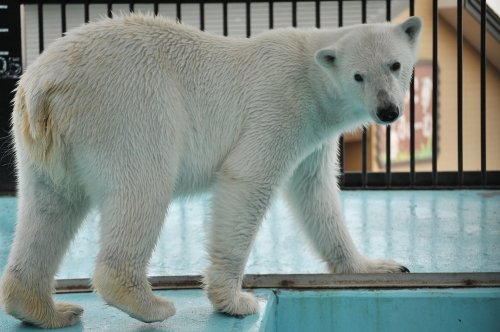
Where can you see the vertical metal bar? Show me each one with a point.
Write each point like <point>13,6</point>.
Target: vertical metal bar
<point>294,13</point>
<point>156,8</point>
<point>364,139</point>
<point>412,115</point>
<point>248,17</point>
<point>412,130</point>
<point>110,9</point>
<point>460,146</point>
<point>434,90</point>
<point>202,16</point>
<point>271,14</point>
<point>341,13</point>
<point>40,26</point>
<point>63,17</point>
<point>341,159</point>
<point>178,12</point>
<point>224,18</point>
<point>86,10</point>
<point>317,13</point>
<point>341,139</point>
<point>483,93</point>
<point>388,172</point>
<point>363,11</point>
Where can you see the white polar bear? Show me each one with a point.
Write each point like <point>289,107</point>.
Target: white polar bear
<point>128,113</point>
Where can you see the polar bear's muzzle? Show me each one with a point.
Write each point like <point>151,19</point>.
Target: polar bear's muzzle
<point>388,113</point>
<point>387,110</point>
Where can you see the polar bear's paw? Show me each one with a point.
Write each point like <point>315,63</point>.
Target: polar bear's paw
<point>385,266</point>
<point>242,304</point>
<point>66,314</point>
<point>135,298</point>
<point>45,315</point>
<point>156,310</point>
<point>226,296</point>
<point>142,305</point>
<point>366,265</point>
<point>34,307</point>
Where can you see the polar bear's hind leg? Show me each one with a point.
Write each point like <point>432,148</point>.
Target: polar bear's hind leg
<point>47,221</point>
<point>131,223</point>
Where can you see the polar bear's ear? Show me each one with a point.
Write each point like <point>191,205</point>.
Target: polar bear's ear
<point>326,57</point>
<point>412,27</point>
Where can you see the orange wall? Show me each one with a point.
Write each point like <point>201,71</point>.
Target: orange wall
<point>447,61</point>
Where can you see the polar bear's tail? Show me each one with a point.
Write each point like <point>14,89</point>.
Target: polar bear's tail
<point>36,138</point>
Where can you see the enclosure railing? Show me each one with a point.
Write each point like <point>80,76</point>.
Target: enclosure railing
<point>435,178</point>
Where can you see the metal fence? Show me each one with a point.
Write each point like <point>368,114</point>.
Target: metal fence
<point>435,178</point>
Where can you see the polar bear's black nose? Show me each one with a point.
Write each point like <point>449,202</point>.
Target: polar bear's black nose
<point>388,113</point>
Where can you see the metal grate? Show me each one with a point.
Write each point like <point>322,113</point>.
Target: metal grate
<point>247,17</point>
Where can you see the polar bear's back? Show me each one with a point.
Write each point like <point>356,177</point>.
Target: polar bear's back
<point>136,40</point>
<point>124,81</point>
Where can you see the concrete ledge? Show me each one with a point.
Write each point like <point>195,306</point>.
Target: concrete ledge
<point>318,281</point>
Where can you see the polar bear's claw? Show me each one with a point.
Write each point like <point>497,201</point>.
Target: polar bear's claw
<point>404,269</point>
<point>384,266</point>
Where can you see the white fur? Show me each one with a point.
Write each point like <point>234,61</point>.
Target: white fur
<point>127,114</point>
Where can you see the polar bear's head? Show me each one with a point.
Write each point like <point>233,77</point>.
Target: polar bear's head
<point>371,66</point>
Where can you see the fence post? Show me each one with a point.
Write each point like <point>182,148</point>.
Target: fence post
<point>10,70</point>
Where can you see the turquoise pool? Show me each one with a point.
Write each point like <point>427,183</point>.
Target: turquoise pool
<point>474,310</point>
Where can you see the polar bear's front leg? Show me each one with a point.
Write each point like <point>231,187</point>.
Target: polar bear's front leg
<point>239,207</point>
<point>314,197</point>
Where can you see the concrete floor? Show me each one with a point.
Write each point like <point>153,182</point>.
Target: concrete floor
<point>194,313</point>
<point>428,231</point>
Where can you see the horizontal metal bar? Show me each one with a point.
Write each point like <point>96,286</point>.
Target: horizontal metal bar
<point>423,180</point>
<point>28,2</point>
<point>318,281</point>
<point>400,180</point>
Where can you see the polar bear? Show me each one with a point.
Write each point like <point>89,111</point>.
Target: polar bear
<point>126,114</point>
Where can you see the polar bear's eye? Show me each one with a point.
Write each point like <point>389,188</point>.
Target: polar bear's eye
<point>395,66</point>
<point>358,78</point>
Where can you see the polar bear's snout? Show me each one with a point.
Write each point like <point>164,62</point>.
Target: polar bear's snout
<point>388,114</point>
<point>387,111</point>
